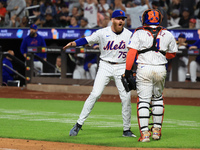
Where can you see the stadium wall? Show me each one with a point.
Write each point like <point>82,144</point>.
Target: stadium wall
<point>109,90</point>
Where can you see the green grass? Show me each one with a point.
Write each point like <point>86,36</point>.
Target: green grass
<point>51,120</point>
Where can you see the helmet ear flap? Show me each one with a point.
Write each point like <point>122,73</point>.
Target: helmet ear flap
<point>143,15</point>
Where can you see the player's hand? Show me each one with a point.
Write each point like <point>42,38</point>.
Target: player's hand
<point>69,45</point>
<point>193,47</point>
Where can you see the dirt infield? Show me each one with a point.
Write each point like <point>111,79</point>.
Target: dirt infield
<point>19,144</point>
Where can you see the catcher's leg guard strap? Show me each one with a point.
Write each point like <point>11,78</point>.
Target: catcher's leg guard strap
<point>143,115</point>
<point>157,112</point>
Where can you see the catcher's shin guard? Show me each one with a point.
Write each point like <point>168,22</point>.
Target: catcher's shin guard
<point>143,115</point>
<point>157,116</point>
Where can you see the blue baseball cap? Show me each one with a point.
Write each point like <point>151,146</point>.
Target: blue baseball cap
<point>181,35</point>
<point>33,26</point>
<point>118,13</point>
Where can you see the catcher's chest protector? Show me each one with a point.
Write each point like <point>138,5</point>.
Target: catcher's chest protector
<point>154,32</point>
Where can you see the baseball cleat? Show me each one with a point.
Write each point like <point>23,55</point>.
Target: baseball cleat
<point>145,137</point>
<point>128,133</point>
<point>156,133</point>
<point>74,131</point>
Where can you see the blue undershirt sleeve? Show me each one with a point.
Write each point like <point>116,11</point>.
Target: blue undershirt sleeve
<point>81,41</point>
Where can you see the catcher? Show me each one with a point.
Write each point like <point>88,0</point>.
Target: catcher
<point>154,45</point>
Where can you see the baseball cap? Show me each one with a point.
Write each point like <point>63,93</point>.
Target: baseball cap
<point>186,9</point>
<point>192,20</point>
<point>118,13</point>
<point>33,26</point>
<point>182,35</point>
<point>176,11</point>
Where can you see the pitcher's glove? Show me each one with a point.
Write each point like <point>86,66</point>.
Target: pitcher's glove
<point>129,80</point>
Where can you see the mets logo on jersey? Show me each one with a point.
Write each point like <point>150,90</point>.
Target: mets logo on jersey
<point>111,46</point>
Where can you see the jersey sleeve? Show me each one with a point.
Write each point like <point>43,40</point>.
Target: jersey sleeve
<point>134,41</point>
<point>94,38</point>
<point>172,46</point>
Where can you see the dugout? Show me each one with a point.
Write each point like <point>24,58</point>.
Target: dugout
<point>15,43</point>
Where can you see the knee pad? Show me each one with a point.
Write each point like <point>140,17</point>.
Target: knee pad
<point>157,111</point>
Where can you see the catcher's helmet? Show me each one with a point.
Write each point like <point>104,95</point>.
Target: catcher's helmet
<point>151,17</point>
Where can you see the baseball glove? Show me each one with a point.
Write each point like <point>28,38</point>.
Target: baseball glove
<point>129,81</point>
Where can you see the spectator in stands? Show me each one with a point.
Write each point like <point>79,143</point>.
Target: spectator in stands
<point>156,5</point>
<point>34,40</point>
<point>103,7</point>
<point>136,12</point>
<point>72,4</point>
<point>183,60</point>
<point>90,8</point>
<point>84,23</point>
<point>75,13</point>
<point>190,5</point>
<point>62,17</point>
<point>24,22</point>
<point>49,19</point>
<point>74,23</point>
<point>174,18</point>
<point>59,4</point>
<point>106,22</point>
<point>58,64</point>
<point>185,18</point>
<point>192,23</point>
<point>44,8</point>
<point>119,5</point>
<point>2,13</point>
<point>195,64</point>
<point>175,4</point>
<point>7,74</point>
<point>15,8</point>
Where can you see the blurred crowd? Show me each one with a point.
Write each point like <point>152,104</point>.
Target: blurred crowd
<point>95,13</point>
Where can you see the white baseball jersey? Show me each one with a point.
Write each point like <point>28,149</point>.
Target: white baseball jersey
<point>90,12</point>
<point>151,74</point>
<point>113,47</point>
<point>142,39</point>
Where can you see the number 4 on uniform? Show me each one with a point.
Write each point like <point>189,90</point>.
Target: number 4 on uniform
<point>158,43</point>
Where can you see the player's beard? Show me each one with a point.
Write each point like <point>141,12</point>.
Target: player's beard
<point>32,34</point>
<point>118,27</point>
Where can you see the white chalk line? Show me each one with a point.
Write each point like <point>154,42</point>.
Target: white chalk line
<point>7,149</point>
<point>103,120</point>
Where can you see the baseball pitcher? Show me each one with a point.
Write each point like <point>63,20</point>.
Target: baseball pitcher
<point>113,41</point>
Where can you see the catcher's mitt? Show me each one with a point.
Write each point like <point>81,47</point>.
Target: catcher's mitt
<point>129,82</point>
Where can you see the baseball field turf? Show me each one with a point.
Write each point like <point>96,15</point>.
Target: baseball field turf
<point>51,120</point>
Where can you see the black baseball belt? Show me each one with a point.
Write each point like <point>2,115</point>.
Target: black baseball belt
<point>113,63</point>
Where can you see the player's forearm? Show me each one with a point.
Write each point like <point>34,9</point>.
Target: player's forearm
<point>78,42</point>
<point>130,58</point>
